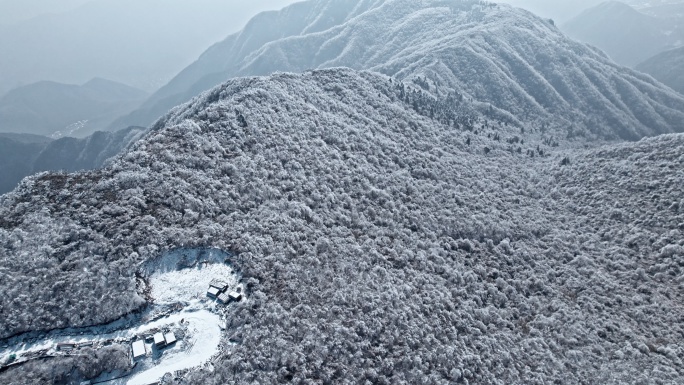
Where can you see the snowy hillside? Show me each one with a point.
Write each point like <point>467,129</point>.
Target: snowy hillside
<point>383,235</point>
<point>667,67</point>
<point>494,54</point>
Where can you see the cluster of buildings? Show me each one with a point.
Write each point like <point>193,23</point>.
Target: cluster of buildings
<point>218,290</point>
<point>159,340</point>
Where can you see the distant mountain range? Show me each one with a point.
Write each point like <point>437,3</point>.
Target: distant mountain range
<point>507,59</point>
<point>667,67</point>
<point>24,154</point>
<point>56,110</point>
<point>629,36</point>
<point>113,39</point>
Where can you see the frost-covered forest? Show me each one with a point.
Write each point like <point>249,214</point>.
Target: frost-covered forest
<point>67,370</point>
<point>385,234</point>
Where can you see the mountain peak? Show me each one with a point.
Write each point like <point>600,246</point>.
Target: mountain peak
<point>502,57</point>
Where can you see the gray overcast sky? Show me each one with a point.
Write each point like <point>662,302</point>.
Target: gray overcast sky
<point>72,41</point>
<point>12,11</point>
<point>142,43</point>
<point>560,10</point>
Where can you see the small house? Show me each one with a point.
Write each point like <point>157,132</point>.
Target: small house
<point>213,292</point>
<point>220,285</point>
<point>139,349</point>
<point>224,298</point>
<point>235,296</point>
<point>170,338</point>
<point>65,347</point>
<point>159,340</point>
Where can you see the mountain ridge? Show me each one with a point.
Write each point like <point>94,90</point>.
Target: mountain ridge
<point>98,38</point>
<point>513,46</point>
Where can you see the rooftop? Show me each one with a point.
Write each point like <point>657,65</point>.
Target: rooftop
<point>159,339</point>
<point>170,338</point>
<point>139,349</point>
<point>213,292</point>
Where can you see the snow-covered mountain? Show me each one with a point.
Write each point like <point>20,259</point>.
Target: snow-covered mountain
<point>450,216</point>
<point>667,67</point>
<point>384,235</point>
<point>520,65</point>
<point>56,110</point>
<point>629,36</point>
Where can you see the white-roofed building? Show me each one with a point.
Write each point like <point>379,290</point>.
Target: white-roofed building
<point>220,285</point>
<point>139,349</point>
<point>169,338</point>
<point>213,292</point>
<point>159,339</point>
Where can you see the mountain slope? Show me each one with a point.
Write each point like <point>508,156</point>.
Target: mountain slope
<point>520,64</point>
<point>75,154</point>
<point>667,67</point>
<point>16,160</point>
<point>628,36</point>
<point>55,109</point>
<point>379,242</point>
<point>24,155</point>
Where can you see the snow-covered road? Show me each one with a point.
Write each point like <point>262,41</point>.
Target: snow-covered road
<point>178,280</point>
<point>202,343</point>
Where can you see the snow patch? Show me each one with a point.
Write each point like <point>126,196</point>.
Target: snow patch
<point>204,336</point>
<point>190,284</point>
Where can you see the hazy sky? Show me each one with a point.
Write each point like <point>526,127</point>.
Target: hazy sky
<point>142,43</point>
<point>72,41</point>
<point>12,11</point>
<point>559,10</point>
